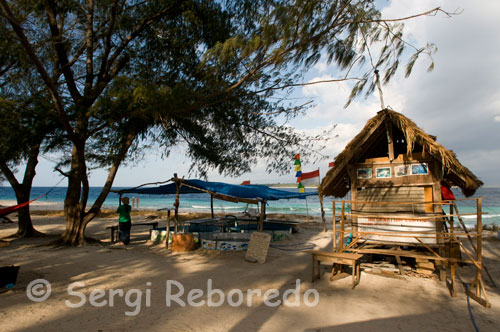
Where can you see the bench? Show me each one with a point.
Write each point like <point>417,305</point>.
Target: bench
<point>114,228</point>
<point>337,258</point>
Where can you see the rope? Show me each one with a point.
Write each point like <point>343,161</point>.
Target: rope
<point>470,310</point>
<point>51,189</point>
<point>8,210</point>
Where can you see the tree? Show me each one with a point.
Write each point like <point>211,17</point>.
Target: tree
<point>29,123</point>
<point>198,72</point>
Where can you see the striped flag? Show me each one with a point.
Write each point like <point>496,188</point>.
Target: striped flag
<point>310,178</point>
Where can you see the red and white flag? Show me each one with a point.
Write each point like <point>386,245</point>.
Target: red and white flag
<point>310,178</point>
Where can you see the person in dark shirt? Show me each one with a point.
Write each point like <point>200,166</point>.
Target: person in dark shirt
<point>124,221</point>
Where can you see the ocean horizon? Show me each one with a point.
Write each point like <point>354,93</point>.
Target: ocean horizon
<point>201,202</point>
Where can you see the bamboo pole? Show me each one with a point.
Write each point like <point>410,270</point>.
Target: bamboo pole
<point>454,205</point>
<point>334,229</point>
<point>479,241</point>
<point>176,204</point>
<point>212,205</point>
<point>342,220</point>
<point>168,228</point>
<point>323,219</point>
<point>262,215</point>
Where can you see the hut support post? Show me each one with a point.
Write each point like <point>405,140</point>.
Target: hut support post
<point>334,229</point>
<point>322,212</point>
<point>390,142</point>
<point>342,221</point>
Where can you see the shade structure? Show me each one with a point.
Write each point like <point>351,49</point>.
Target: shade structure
<point>232,192</point>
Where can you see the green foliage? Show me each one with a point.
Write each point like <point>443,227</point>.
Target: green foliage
<point>125,76</point>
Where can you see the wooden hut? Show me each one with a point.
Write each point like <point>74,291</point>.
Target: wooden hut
<point>392,160</point>
<point>393,171</point>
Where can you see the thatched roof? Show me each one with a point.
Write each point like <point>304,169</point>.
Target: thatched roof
<point>334,183</point>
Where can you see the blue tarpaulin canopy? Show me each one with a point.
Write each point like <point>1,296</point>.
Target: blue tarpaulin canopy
<point>221,190</point>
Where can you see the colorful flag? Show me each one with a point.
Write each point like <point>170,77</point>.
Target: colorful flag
<point>310,178</point>
<point>245,183</point>
<point>297,156</point>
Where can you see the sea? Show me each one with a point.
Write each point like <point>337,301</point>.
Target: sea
<point>201,203</point>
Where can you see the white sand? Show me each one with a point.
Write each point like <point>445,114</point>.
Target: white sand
<point>376,304</point>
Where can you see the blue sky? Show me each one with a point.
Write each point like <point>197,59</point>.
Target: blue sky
<point>459,101</point>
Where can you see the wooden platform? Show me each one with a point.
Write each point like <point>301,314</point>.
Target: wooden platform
<point>338,259</point>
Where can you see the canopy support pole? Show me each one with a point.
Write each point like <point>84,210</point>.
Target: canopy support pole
<point>262,215</point>
<point>176,204</point>
<point>212,205</point>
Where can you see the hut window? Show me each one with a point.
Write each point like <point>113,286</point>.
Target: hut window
<point>383,172</point>
<point>364,173</point>
<point>419,169</point>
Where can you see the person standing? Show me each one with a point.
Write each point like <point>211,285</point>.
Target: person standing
<point>124,221</point>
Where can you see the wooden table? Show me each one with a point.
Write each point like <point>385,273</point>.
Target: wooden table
<point>341,258</point>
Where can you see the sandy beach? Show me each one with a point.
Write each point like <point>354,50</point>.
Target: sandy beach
<point>143,272</point>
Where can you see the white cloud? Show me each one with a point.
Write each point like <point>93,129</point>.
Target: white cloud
<point>457,101</point>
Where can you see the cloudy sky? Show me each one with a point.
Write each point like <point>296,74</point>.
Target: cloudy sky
<point>459,101</point>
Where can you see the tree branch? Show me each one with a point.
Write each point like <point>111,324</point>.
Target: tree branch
<point>89,37</point>
<point>61,54</point>
<point>40,68</point>
<point>138,30</point>
<point>94,210</point>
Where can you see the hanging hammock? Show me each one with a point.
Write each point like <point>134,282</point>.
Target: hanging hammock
<point>8,210</point>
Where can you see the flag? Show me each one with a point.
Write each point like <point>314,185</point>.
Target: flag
<point>310,178</point>
<point>245,183</point>
<point>331,164</point>
<point>297,156</point>
<point>297,168</point>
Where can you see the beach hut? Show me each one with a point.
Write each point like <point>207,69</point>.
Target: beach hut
<point>394,171</point>
<point>392,160</point>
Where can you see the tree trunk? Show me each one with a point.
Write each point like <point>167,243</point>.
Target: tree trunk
<point>75,202</point>
<point>73,211</point>
<point>23,191</point>
<point>25,225</point>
